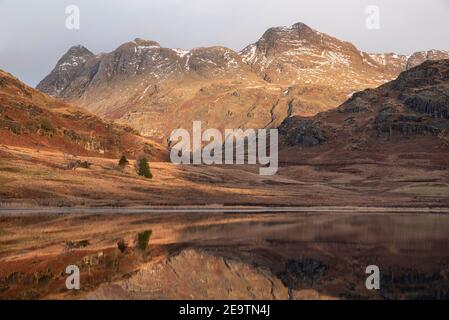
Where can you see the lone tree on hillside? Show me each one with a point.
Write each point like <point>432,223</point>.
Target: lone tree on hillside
<point>123,162</point>
<point>143,169</point>
<point>143,238</point>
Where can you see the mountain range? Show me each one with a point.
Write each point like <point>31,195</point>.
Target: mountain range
<point>289,71</point>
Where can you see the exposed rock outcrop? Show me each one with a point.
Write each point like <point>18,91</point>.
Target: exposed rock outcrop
<point>301,132</point>
<point>197,274</point>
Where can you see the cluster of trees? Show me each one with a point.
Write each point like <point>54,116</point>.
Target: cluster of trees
<point>142,166</point>
<point>141,242</point>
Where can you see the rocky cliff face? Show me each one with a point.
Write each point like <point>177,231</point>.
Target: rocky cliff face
<point>419,57</point>
<point>289,71</point>
<point>66,71</point>
<point>299,54</point>
<point>155,89</point>
<point>80,69</point>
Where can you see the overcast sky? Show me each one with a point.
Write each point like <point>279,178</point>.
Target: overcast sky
<point>33,34</point>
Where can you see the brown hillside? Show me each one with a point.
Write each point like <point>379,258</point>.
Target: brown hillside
<point>29,118</point>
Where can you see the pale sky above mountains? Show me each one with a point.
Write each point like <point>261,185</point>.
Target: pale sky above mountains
<point>33,35</point>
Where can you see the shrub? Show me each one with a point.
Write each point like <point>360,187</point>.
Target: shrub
<point>43,277</point>
<point>143,169</point>
<point>123,162</point>
<point>77,244</point>
<point>122,245</point>
<point>143,238</point>
<point>47,126</point>
<point>16,128</point>
<point>73,164</point>
<point>85,164</point>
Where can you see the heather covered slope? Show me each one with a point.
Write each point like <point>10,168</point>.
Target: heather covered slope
<point>31,119</point>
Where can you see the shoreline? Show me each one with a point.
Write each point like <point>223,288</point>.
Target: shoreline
<point>4,211</point>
